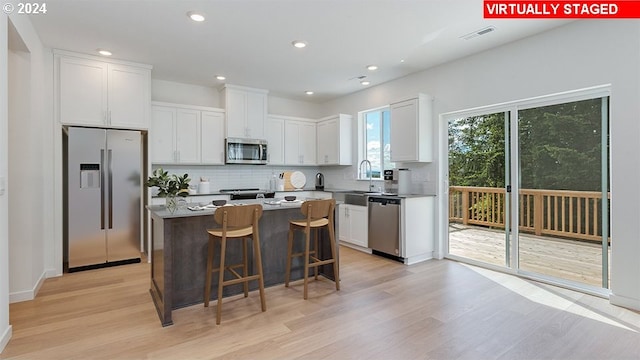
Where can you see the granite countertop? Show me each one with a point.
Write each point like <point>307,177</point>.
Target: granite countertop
<point>267,205</point>
<point>276,191</point>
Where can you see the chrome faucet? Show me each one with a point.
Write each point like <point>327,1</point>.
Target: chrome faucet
<point>365,161</point>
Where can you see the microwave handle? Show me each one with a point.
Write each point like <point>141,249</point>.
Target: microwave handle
<point>261,151</point>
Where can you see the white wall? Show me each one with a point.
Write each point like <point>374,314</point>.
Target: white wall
<point>28,232</point>
<point>30,197</point>
<point>296,108</point>
<point>578,55</point>
<point>5,328</point>
<point>180,93</point>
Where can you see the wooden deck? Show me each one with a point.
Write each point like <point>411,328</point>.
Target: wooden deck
<point>572,260</point>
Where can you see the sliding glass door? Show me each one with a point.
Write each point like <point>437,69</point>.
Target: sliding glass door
<point>563,170</point>
<point>478,177</point>
<point>554,151</point>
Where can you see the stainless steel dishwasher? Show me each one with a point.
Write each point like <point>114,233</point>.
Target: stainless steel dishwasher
<point>384,225</point>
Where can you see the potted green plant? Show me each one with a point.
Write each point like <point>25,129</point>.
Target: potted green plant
<point>169,186</point>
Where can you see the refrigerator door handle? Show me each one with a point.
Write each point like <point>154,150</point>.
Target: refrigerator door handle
<point>102,189</point>
<point>109,160</point>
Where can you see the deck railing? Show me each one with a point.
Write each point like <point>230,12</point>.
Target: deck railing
<point>562,213</point>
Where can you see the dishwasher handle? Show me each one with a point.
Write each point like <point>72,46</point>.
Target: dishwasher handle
<point>384,201</point>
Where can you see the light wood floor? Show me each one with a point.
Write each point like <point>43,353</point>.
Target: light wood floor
<point>385,310</point>
<point>573,260</point>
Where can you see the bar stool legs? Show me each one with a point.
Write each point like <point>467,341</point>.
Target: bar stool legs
<point>238,223</point>
<point>319,214</point>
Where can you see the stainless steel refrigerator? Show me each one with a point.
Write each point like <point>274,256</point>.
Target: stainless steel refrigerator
<point>103,197</point>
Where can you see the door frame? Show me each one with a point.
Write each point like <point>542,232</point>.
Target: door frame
<point>443,179</point>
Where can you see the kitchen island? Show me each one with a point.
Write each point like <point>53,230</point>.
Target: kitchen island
<point>179,244</point>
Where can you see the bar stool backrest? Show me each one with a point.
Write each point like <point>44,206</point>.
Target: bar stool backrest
<point>318,209</point>
<point>239,216</point>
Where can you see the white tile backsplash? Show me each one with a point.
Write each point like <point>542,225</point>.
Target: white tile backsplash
<point>239,176</point>
<point>257,176</point>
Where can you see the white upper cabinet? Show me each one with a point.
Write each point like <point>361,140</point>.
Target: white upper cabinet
<point>299,142</point>
<point>411,134</point>
<point>334,140</point>
<point>93,92</point>
<point>162,140</point>
<point>183,134</point>
<point>246,110</point>
<point>274,134</point>
<point>129,96</point>
<point>187,136</point>
<point>212,137</point>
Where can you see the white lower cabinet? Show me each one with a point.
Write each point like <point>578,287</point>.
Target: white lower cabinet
<point>353,225</point>
<point>417,229</point>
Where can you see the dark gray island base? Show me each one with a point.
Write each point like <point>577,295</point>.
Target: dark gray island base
<point>179,254</point>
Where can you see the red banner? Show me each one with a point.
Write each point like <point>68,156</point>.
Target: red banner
<point>561,9</point>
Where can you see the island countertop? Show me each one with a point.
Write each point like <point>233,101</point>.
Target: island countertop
<point>179,243</point>
<point>160,211</point>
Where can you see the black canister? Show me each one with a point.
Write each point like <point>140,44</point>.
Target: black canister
<point>319,181</point>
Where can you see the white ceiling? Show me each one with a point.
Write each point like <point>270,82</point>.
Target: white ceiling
<point>249,41</point>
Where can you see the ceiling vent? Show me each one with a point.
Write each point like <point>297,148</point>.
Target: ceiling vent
<point>482,31</point>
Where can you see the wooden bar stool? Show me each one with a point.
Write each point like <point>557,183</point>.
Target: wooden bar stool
<point>319,214</point>
<point>238,222</point>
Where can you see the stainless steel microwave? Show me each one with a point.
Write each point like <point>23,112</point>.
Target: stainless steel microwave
<point>246,151</point>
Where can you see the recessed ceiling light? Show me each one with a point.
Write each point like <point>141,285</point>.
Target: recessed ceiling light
<point>402,60</point>
<point>220,77</point>
<point>299,44</point>
<point>365,82</point>
<point>309,92</point>
<point>195,16</point>
<point>104,52</point>
<point>372,67</point>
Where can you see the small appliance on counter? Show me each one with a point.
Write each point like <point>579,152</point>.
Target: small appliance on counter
<point>391,181</point>
<point>204,186</point>
<point>404,181</point>
<point>319,181</point>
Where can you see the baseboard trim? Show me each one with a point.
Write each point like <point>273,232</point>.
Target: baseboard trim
<point>52,273</point>
<point>6,336</point>
<point>355,247</point>
<point>28,295</point>
<point>418,258</point>
<point>624,301</point>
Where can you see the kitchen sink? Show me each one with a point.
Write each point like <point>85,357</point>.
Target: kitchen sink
<point>358,197</point>
<point>355,199</point>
